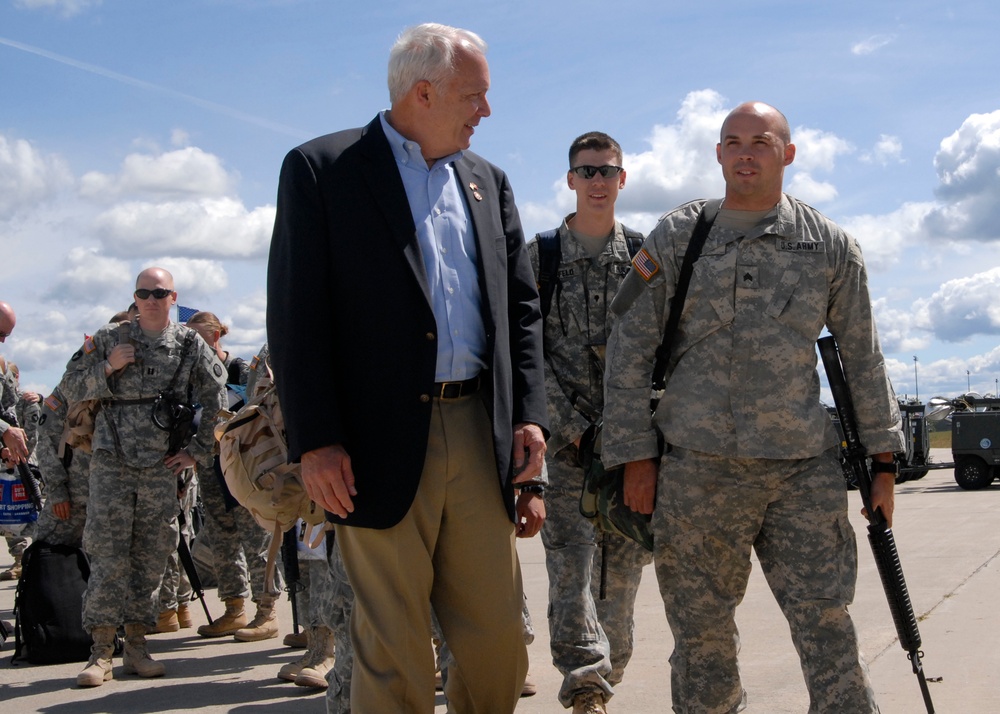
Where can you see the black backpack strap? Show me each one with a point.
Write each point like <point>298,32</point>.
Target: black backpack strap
<point>701,229</point>
<point>549,257</point>
<point>633,239</point>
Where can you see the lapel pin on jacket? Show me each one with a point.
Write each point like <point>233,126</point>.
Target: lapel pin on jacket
<point>475,191</point>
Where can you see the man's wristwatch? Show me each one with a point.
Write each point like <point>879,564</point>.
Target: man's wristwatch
<point>535,488</point>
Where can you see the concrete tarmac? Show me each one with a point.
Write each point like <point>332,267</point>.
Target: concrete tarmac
<point>948,541</point>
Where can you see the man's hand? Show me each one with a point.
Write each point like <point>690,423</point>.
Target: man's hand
<point>16,443</point>
<point>61,510</point>
<point>121,355</point>
<point>883,491</point>
<point>32,397</point>
<point>530,510</point>
<point>179,461</point>
<point>329,479</point>
<point>640,485</point>
<point>528,438</point>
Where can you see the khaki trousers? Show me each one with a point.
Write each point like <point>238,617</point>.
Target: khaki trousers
<point>453,550</point>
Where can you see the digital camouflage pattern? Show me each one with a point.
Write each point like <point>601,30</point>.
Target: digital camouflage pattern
<point>575,333</point>
<point>131,513</point>
<point>335,602</point>
<point>66,477</point>
<point>750,464</point>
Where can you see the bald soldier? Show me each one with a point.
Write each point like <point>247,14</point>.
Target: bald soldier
<point>146,376</point>
<point>751,458</point>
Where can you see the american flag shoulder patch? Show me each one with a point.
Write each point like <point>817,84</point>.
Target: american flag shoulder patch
<point>53,402</point>
<point>645,265</point>
<point>88,345</point>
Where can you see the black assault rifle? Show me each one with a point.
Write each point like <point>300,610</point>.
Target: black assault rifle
<point>28,480</point>
<point>879,533</point>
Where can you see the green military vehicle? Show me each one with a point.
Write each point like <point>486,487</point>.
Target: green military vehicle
<point>975,441</point>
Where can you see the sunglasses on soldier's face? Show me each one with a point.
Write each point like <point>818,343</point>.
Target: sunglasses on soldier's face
<point>158,293</point>
<point>587,172</point>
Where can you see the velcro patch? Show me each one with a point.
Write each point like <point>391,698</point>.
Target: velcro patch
<point>89,346</point>
<point>802,246</point>
<point>53,402</point>
<point>645,265</point>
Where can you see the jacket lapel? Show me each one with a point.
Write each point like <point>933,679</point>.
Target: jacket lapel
<point>478,190</point>
<point>379,171</point>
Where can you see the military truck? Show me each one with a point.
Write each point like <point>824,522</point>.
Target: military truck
<point>975,441</point>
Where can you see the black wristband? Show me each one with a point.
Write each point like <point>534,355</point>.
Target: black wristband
<point>536,488</point>
<point>884,467</point>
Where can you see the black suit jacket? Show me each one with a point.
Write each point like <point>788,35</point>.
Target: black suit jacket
<point>350,327</point>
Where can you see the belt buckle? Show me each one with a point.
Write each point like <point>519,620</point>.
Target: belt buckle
<point>451,390</point>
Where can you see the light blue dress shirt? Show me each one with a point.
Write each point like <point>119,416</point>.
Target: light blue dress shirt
<point>448,246</point>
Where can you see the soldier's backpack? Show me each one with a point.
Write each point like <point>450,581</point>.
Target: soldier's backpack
<point>253,456</point>
<point>48,605</point>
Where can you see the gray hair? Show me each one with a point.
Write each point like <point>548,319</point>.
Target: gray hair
<point>427,52</point>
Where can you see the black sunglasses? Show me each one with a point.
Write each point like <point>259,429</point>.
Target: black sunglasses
<point>587,172</point>
<point>158,293</point>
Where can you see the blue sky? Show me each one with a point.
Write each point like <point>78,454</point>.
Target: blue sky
<point>135,133</point>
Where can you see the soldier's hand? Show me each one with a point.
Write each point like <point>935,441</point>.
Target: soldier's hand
<point>329,479</point>
<point>529,452</point>
<point>883,495</point>
<point>121,356</point>
<point>179,461</point>
<point>61,510</point>
<point>530,510</point>
<point>17,445</point>
<point>640,485</point>
<point>32,397</point>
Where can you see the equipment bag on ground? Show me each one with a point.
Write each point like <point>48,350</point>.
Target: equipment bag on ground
<point>48,605</point>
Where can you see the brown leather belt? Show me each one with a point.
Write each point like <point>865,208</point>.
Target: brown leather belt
<point>454,390</point>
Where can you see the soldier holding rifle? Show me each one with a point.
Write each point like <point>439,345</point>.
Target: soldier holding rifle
<point>751,455</point>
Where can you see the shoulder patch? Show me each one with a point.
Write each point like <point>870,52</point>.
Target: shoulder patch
<point>53,402</point>
<point>89,346</point>
<point>254,362</point>
<point>645,265</point>
<point>217,369</point>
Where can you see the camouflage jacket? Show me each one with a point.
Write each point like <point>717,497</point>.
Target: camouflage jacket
<point>8,399</point>
<point>576,331</point>
<point>124,425</point>
<point>742,379</point>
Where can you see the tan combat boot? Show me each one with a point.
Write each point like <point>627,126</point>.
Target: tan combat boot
<point>136,659</point>
<point>98,669</point>
<point>166,622</point>
<point>184,616</point>
<point>589,702</point>
<point>296,639</point>
<point>314,673</point>
<point>291,670</point>
<point>264,625</point>
<point>14,571</point>
<point>234,618</point>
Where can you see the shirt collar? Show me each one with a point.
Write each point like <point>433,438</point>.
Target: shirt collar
<point>407,152</point>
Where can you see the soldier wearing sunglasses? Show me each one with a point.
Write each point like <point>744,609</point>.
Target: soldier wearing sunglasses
<point>590,635</point>
<point>131,526</point>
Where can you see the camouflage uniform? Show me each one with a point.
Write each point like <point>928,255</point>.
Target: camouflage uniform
<point>590,637</point>
<point>750,463</point>
<point>66,478</point>
<point>334,602</point>
<point>131,524</point>
<point>175,589</point>
<point>26,415</point>
<point>239,544</point>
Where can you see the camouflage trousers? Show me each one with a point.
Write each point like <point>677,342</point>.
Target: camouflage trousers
<point>710,512</point>
<point>590,618</point>
<point>56,531</point>
<point>176,587</point>
<point>17,544</point>
<point>131,529</point>
<point>239,544</point>
<point>334,601</point>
